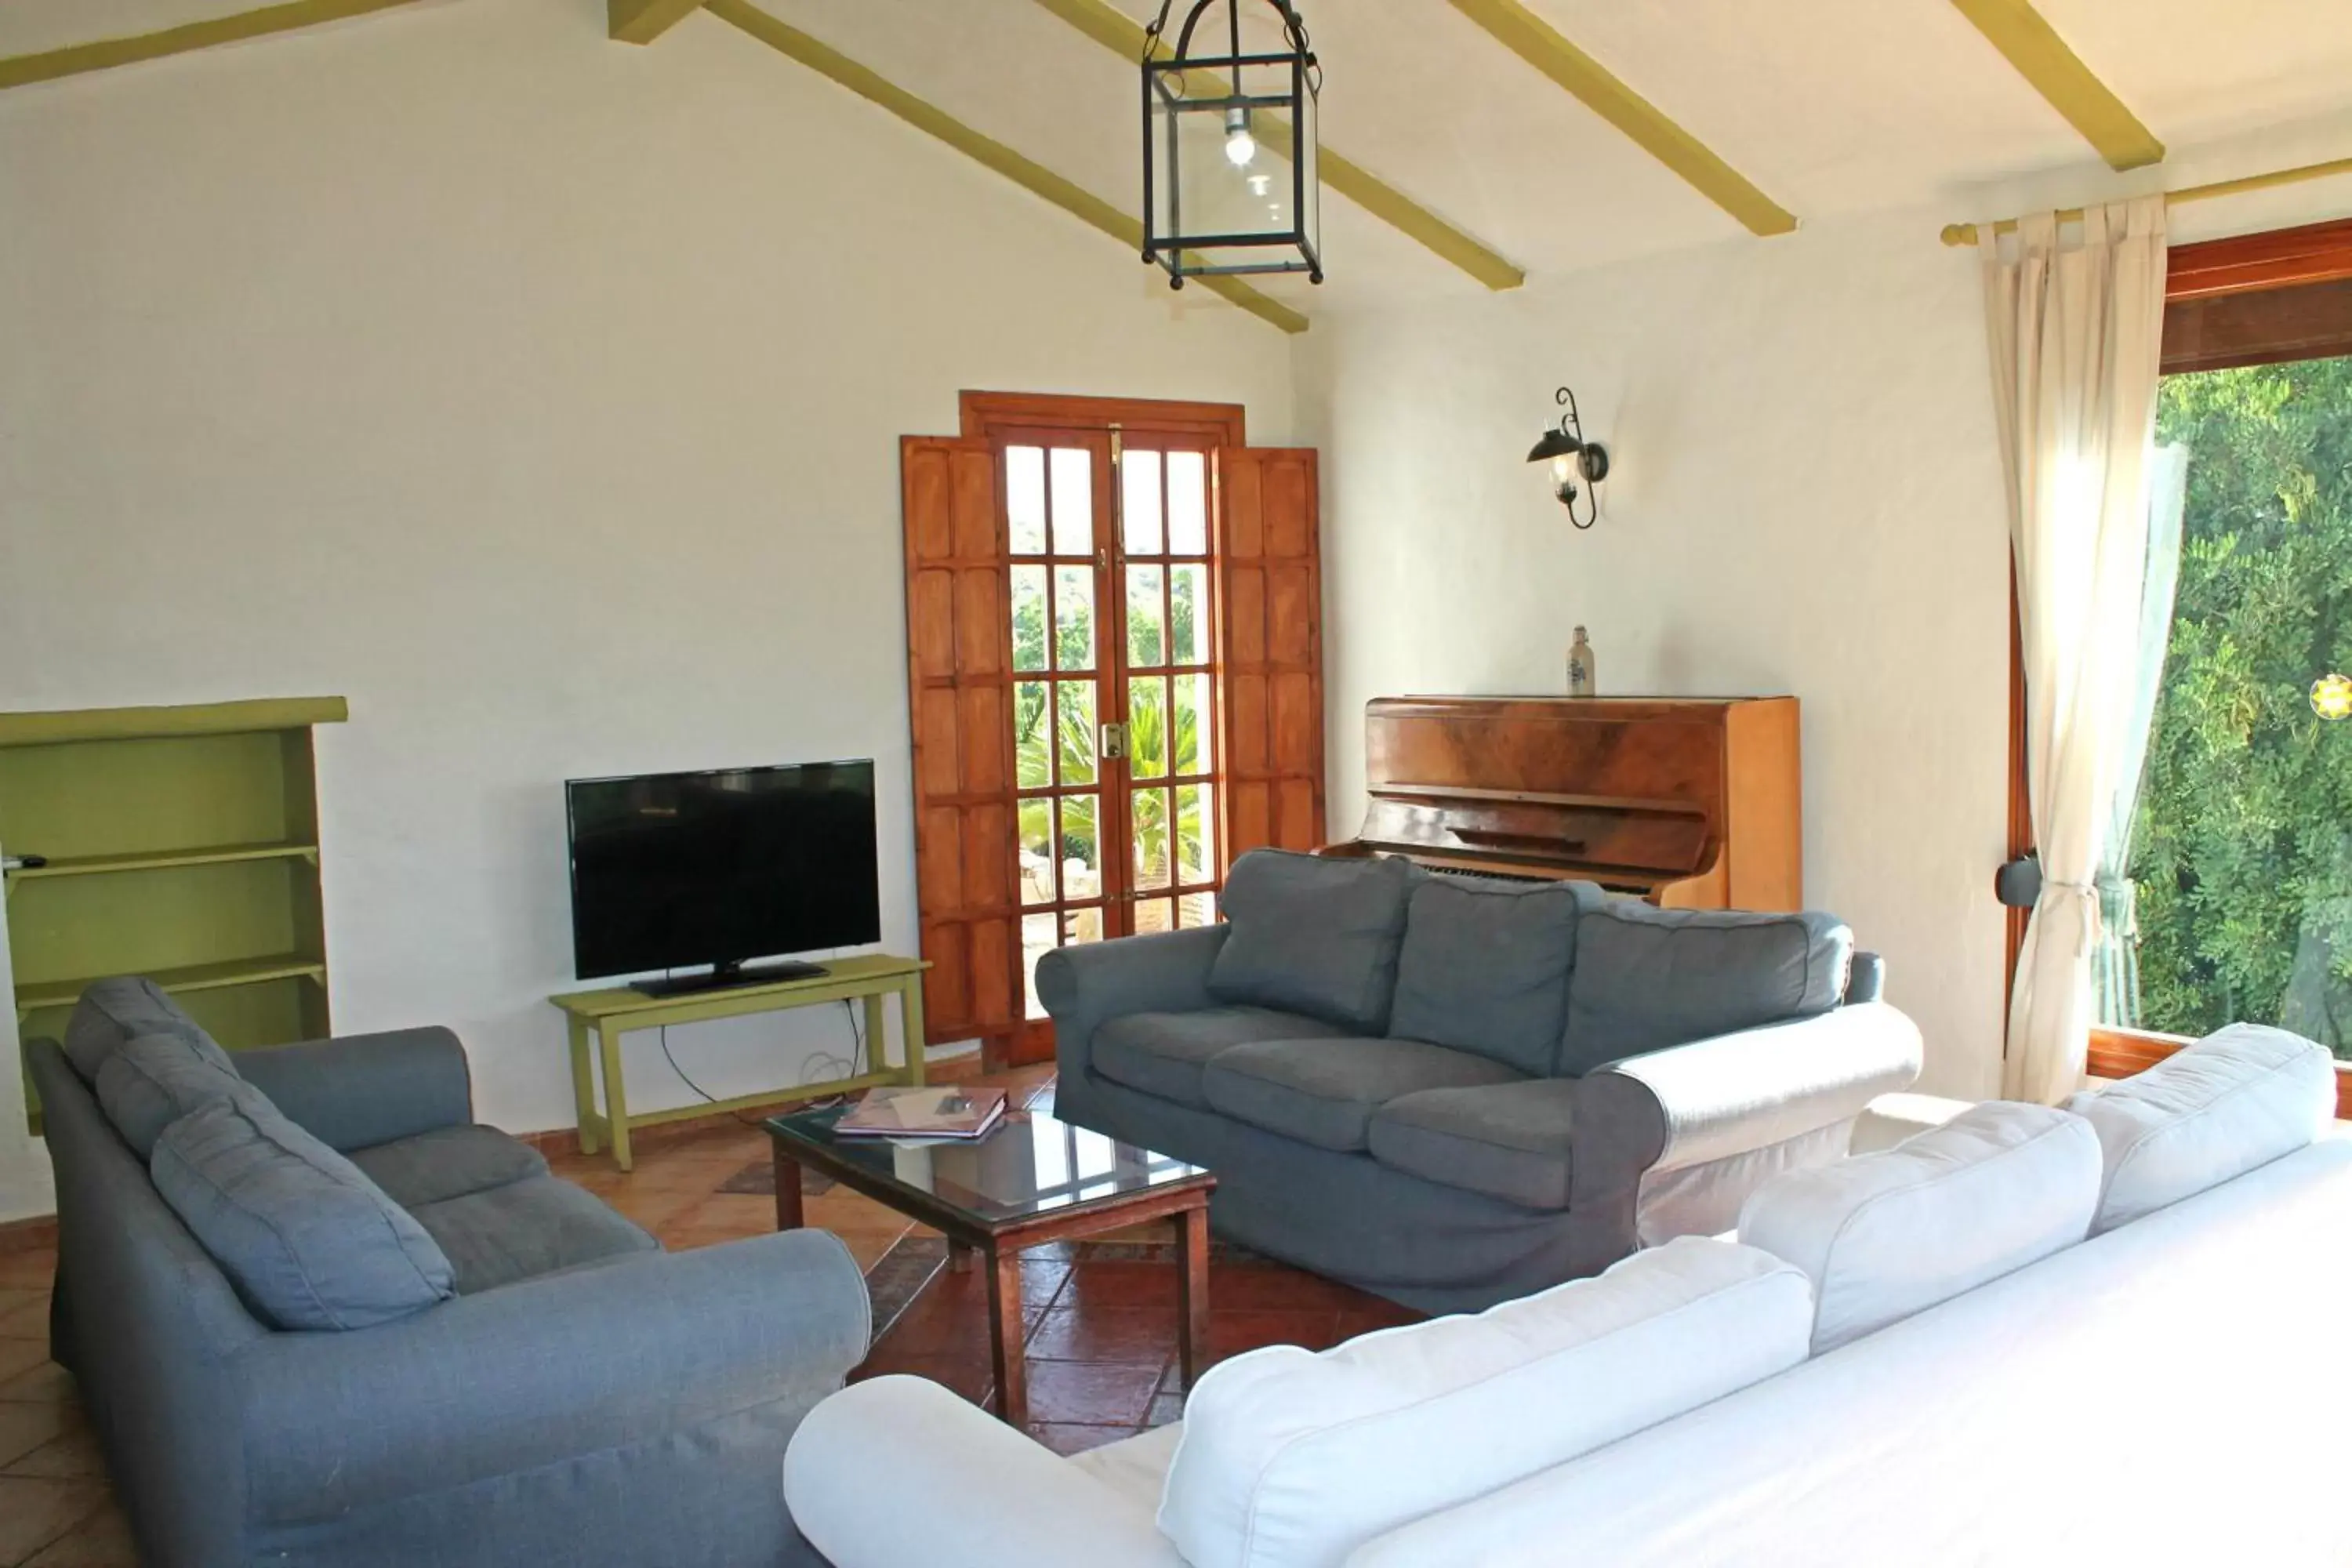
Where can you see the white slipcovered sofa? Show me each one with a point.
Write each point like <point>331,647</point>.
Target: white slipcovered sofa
<point>2101,1335</point>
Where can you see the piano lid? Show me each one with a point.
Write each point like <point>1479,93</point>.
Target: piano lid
<point>1625,792</point>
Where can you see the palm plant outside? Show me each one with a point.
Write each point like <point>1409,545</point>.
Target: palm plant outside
<point>1150,736</point>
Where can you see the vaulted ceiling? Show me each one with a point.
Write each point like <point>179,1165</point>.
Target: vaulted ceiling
<point>1825,108</point>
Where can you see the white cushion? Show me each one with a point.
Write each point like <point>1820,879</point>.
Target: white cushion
<point>1887,1234</point>
<point>1135,1467</point>
<point>1291,1458</point>
<point>2211,1111</point>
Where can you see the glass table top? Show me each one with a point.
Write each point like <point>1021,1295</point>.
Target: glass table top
<point>1031,1164</point>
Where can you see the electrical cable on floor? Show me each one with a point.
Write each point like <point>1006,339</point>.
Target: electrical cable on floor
<point>851,1068</point>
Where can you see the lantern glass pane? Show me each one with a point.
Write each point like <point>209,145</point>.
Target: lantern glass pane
<point>1310,206</point>
<point>1216,173</point>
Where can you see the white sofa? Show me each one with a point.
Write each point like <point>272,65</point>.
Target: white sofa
<point>2169,1390</point>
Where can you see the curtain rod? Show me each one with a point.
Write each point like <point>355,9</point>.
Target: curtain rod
<point>1966,233</point>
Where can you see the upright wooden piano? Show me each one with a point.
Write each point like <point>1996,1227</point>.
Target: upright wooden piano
<point>1691,803</point>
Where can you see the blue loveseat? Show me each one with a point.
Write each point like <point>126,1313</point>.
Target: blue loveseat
<point>579,1397</point>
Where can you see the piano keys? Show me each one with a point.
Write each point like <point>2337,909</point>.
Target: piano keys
<point>1690,803</point>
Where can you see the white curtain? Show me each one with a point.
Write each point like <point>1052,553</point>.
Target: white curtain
<point>2114,966</point>
<point>2075,331</point>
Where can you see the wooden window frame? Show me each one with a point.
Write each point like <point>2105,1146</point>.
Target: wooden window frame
<point>987,414</point>
<point>2276,259</point>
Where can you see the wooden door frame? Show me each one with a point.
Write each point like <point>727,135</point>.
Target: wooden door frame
<point>985,414</point>
<point>1001,418</point>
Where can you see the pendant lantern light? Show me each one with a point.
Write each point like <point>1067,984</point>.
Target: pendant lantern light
<point>1229,183</point>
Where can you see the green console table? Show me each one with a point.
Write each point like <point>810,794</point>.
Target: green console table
<point>608,1014</point>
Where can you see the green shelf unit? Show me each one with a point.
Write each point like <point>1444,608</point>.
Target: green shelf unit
<point>181,843</point>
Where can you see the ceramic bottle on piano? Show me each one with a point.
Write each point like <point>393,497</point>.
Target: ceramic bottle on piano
<point>1581,681</point>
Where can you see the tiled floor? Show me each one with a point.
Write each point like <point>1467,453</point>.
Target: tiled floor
<point>1101,1325</point>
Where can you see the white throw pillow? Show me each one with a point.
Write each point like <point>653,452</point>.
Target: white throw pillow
<point>1886,1235</point>
<point>1291,1458</point>
<point>2209,1113</point>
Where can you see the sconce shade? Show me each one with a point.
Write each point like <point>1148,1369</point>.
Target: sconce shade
<point>1589,459</point>
<point>1555,444</point>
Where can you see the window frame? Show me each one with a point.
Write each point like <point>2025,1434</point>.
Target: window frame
<point>2271,259</point>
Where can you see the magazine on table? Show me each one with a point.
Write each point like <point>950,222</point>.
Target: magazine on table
<point>946,1113</point>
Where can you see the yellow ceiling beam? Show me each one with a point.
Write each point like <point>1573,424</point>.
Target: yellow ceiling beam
<point>2059,75</point>
<point>1026,173</point>
<point>1531,39</point>
<point>1121,34</point>
<point>105,53</point>
<point>643,21</point>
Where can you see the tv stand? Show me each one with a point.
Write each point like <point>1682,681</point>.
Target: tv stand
<point>596,1020</point>
<point>729,977</point>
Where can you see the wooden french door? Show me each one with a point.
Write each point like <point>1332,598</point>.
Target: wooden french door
<point>1139,618</point>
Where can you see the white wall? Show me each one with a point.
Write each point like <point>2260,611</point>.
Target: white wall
<point>541,396</point>
<point>1806,500</point>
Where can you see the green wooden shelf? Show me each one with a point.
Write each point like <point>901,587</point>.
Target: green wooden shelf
<point>173,834</point>
<point>32,994</point>
<point>66,726</point>
<point>164,860</point>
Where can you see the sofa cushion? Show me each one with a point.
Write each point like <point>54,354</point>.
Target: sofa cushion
<point>112,1012</point>
<point>1324,1091</point>
<point>525,1229</point>
<point>2208,1112</point>
<point>1291,1458</point>
<point>1313,935</point>
<point>1508,1141</point>
<point>1646,979</point>
<point>147,1083</point>
<point>1484,966</point>
<point>448,1162</point>
<point>309,1242</point>
<point>1886,1235</point>
<point>1162,1053</point>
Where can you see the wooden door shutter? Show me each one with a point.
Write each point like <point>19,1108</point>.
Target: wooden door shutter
<point>960,679</point>
<point>1270,643</point>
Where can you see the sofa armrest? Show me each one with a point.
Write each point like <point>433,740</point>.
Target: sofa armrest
<point>572,1363</point>
<point>360,1089</point>
<point>896,1470</point>
<point>1746,1090</point>
<point>1083,986</point>
<point>1867,981</point>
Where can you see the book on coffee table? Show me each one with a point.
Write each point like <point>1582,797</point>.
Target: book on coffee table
<point>949,1113</point>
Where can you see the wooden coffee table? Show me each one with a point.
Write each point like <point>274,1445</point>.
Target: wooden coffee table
<point>1036,1179</point>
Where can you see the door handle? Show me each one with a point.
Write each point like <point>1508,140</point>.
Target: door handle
<point>1114,740</point>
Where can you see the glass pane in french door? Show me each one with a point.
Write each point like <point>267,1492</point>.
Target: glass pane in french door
<point>1113,605</point>
<point>1057,495</point>
<point>1167,600</point>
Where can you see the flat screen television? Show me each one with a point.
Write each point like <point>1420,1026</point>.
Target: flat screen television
<point>672,870</point>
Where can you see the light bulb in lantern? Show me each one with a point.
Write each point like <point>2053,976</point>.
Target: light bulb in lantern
<point>1240,145</point>
<point>1563,472</point>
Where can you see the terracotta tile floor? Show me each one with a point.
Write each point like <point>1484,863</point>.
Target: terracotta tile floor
<point>1101,1328</point>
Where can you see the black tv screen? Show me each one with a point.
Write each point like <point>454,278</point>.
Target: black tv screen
<point>674,869</point>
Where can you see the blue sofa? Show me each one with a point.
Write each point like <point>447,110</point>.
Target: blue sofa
<point>1453,1091</point>
<point>582,1398</point>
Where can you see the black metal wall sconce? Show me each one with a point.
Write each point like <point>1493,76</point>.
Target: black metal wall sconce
<point>1573,458</point>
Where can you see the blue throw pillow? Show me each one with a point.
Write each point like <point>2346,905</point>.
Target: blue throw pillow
<point>112,1012</point>
<point>307,1239</point>
<point>145,1085</point>
<point>1485,967</point>
<point>1313,935</point>
<point>1647,978</point>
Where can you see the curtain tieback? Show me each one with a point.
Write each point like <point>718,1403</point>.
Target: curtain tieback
<point>2086,897</point>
